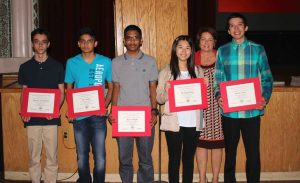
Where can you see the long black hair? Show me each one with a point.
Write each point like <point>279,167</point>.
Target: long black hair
<point>175,71</point>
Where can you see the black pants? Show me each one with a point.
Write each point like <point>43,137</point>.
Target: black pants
<point>250,130</point>
<point>184,141</point>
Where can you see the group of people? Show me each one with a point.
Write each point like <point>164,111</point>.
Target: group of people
<point>132,80</point>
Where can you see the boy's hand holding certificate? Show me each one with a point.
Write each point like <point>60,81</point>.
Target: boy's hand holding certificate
<point>131,121</point>
<point>240,95</point>
<point>39,102</point>
<point>86,101</point>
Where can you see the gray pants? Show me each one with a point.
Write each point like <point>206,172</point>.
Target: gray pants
<point>144,145</point>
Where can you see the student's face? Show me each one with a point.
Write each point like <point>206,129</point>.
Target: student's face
<point>237,29</point>
<point>87,43</point>
<point>183,50</point>
<point>207,42</point>
<point>133,41</point>
<point>40,44</point>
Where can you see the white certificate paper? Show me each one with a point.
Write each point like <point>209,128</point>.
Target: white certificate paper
<point>86,101</point>
<point>241,95</point>
<point>187,94</point>
<point>40,102</point>
<point>131,121</point>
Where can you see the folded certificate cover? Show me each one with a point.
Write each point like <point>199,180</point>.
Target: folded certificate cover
<point>39,102</point>
<point>86,101</point>
<point>241,95</point>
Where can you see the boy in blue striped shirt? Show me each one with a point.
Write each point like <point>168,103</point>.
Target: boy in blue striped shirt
<point>241,59</point>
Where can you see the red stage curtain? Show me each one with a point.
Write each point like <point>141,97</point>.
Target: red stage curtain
<point>201,13</point>
<point>261,6</point>
<point>64,18</point>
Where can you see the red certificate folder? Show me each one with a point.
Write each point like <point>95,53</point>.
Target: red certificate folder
<point>252,83</point>
<point>38,103</point>
<point>115,125</point>
<point>192,106</point>
<point>100,110</point>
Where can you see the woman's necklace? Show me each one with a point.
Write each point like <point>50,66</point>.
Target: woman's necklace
<point>208,59</point>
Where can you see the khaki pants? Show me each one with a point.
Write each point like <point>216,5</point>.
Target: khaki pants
<point>37,136</point>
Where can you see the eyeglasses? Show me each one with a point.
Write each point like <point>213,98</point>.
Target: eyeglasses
<point>38,42</point>
<point>89,41</point>
<point>132,38</point>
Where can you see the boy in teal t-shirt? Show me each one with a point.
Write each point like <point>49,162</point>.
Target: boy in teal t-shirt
<point>84,70</point>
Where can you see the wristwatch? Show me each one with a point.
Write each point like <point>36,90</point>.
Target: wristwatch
<point>155,111</point>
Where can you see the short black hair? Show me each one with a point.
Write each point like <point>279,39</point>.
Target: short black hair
<point>236,15</point>
<point>88,31</point>
<point>134,28</point>
<point>40,31</point>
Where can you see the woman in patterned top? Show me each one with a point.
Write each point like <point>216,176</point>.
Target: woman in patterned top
<point>211,136</point>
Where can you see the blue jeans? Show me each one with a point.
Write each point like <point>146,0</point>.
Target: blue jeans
<point>90,131</point>
<point>144,145</point>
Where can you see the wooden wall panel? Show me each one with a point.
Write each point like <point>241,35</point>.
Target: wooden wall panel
<point>280,147</point>
<point>118,27</point>
<point>160,21</point>
<point>8,80</point>
<point>171,21</point>
<point>66,148</point>
<point>14,142</point>
<point>280,135</point>
<point>145,18</point>
<point>15,138</point>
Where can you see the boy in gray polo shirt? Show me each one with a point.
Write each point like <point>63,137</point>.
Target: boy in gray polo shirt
<point>135,79</point>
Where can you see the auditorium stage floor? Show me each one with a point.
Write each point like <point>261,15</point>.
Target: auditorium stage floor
<point>290,181</point>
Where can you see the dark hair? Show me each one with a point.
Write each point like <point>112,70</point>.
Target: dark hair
<point>40,31</point>
<point>210,30</point>
<point>175,71</point>
<point>236,15</point>
<point>134,28</point>
<point>88,31</point>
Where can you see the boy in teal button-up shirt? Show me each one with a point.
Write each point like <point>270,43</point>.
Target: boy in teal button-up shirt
<point>241,59</point>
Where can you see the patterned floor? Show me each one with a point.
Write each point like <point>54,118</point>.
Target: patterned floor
<point>10,181</point>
